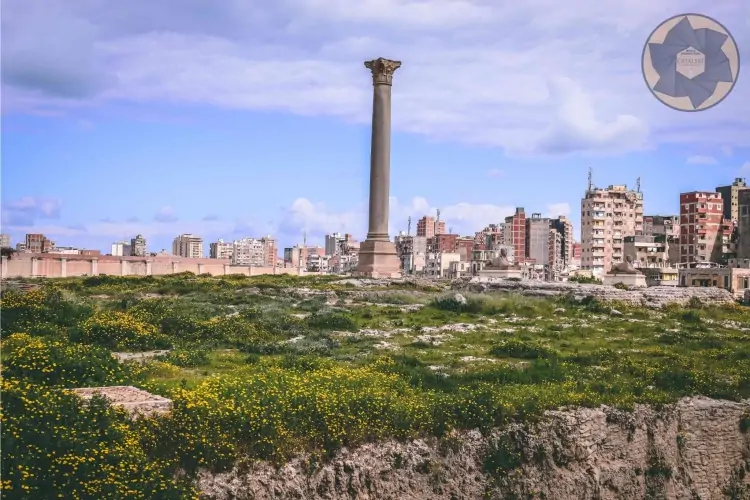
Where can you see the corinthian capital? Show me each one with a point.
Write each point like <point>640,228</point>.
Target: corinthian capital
<point>382,70</point>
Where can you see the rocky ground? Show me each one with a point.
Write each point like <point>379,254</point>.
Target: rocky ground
<point>695,449</point>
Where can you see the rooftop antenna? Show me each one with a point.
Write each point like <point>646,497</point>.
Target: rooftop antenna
<point>408,226</point>
<point>450,230</point>
<point>591,178</point>
<point>638,185</point>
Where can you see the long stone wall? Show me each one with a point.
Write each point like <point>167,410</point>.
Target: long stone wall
<point>35,265</point>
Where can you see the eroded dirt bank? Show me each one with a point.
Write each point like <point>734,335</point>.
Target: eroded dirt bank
<point>698,448</point>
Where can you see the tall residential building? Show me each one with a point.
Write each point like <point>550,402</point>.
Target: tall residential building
<point>298,255</point>
<point>743,226</point>
<point>537,239</point>
<point>138,246</point>
<point>4,240</point>
<point>515,234</point>
<point>607,216</point>
<point>730,196</point>
<point>565,227</point>
<point>188,245</point>
<point>220,249</point>
<point>701,218</point>
<point>256,252</point>
<point>429,226</point>
<point>555,262</point>
<point>333,243</point>
<point>121,249</point>
<point>38,243</point>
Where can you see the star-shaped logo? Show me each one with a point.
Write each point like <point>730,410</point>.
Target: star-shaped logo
<point>691,62</point>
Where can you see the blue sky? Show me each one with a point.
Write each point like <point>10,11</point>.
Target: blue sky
<point>226,120</point>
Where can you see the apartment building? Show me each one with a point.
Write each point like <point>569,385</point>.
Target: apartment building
<point>464,246</point>
<point>297,255</point>
<point>565,227</point>
<point>555,262</point>
<point>220,249</point>
<point>121,249</point>
<point>743,225</point>
<point>701,219</point>
<point>607,216</point>
<point>438,264</point>
<point>38,243</point>
<point>514,234</point>
<point>333,243</point>
<point>442,243</point>
<point>411,251</point>
<point>189,246</point>
<point>255,252</point>
<point>730,196</point>
<point>646,251</point>
<point>138,246</point>
<point>667,225</point>
<point>4,240</point>
<point>537,239</point>
<point>429,226</point>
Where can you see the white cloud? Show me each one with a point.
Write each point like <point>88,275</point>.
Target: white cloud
<point>745,168</point>
<point>557,209</point>
<point>727,150</point>
<point>495,172</point>
<point>531,77</point>
<point>166,215</point>
<point>702,160</point>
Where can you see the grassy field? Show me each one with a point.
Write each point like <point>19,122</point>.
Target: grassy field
<point>267,367</point>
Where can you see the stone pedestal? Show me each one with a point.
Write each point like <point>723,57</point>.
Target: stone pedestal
<point>631,280</point>
<point>510,273</point>
<point>377,254</point>
<point>378,259</point>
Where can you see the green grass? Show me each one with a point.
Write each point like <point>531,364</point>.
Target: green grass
<point>240,346</point>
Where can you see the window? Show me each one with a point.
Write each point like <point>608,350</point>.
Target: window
<point>726,281</point>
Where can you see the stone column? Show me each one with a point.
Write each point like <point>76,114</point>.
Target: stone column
<point>149,269</point>
<point>4,271</point>
<point>94,267</point>
<point>377,255</point>
<point>34,266</point>
<point>124,267</point>
<point>175,267</point>
<point>63,268</point>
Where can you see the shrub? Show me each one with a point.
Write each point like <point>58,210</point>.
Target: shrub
<point>118,330</point>
<point>186,358</point>
<point>272,412</point>
<point>40,309</point>
<point>524,350</point>
<point>589,280</point>
<point>58,362</point>
<point>453,304</point>
<point>332,321</point>
<point>57,443</point>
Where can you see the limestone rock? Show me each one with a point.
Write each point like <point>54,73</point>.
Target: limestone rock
<point>692,449</point>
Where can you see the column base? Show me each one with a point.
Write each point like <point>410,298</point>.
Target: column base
<point>378,259</point>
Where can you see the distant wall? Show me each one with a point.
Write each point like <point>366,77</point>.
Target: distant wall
<point>40,265</point>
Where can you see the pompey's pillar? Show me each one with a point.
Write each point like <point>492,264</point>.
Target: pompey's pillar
<point>377,254</point>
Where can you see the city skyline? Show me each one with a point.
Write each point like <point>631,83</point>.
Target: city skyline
<point>201,128</point>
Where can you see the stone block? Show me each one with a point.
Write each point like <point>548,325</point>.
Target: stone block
<point>136,401</point>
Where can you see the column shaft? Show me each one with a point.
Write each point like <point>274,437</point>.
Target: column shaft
<point>380,163</point>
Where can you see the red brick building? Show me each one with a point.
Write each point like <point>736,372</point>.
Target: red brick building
<point>517,225</point>
<point>701,220</point>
